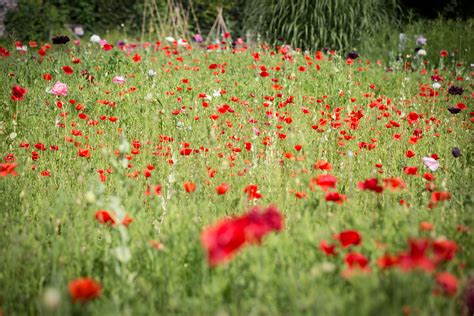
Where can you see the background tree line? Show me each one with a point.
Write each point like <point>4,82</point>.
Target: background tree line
<point>310,24</point>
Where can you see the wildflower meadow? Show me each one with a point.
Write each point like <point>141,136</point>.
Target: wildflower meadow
<point>176,177</point>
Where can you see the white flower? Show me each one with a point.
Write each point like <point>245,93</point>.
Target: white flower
<point>170,39</point>
<point>217,93</point>
<point>436,85</point>
<point>78,30</point>
<point>95,38</point>
<point>421,52</point>
<point>52,298</point>
<point>151,73</point>
<point>182,42</point>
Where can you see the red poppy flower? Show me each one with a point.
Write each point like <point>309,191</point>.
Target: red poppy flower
<point>18,93</point>
<point>106,217</point>
<point>440,196</point>
<point>416,256</point>
<point>410,170</point>
<point>252,192</point>
<point>387,261</point>
<point>7,169</point>
<point>189,187</point>
<point>356,260</point>
<point>329,250</point>
<point>394,183</point>
<point>324,181</point>
<point>370,184</point>
<point>335,197</point>
<point>448,283</point>
<point>136,58</point>
<point>412,118</point>
<point>444,250</point>
<point>349,237</point>
<point>224,239</point>
<point>222,188</point>
<point>84,289</point>
<point>322,165</point>
<point>67,70</point>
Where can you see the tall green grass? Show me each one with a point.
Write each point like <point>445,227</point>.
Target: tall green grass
<point>338,24</point>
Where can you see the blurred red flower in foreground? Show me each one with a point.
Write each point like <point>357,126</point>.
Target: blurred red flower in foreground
<point>370,184</point>
<point>84,289</point>
<point>7,168</point>
<point>106,217</point>
<point>448,283</point>
<point>18,93</point>
<point>349,237</point>
<point>324,181</point>
<point>224,239</point>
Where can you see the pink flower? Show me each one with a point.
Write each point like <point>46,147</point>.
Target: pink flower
<point>118,80</point>
<point>59,88</point>
<point>431,163</point>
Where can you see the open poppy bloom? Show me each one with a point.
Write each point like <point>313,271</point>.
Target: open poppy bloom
<point>18,93</point>
<point>348,238</point>
<point>84,289</point>
<point>7,169</point>
<point>224,239</point>
<point>106,217</point>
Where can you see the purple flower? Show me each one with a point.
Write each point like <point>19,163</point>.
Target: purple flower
<point>421,40</point>
<point>198,38</point>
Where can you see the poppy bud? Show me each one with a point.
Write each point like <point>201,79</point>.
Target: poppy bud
<point>456,152</point>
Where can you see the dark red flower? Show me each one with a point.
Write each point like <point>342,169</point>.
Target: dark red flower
<point>349,237</point>
<point>335,197</point>
<point>18,93</point>
<point>410,170</point>
<point>444,250</point>
<point>356,260</point>
<point>371,185</point>
<point>67,70</point>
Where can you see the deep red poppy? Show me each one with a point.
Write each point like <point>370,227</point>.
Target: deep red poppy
<point>18,93</point>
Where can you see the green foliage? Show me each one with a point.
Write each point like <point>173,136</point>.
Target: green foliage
<point>35,20</point>
<point>339,24</point>
<point>49,236</point>
<point>441,34</point>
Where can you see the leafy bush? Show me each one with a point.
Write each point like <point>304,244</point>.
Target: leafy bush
<point>34,19</point>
